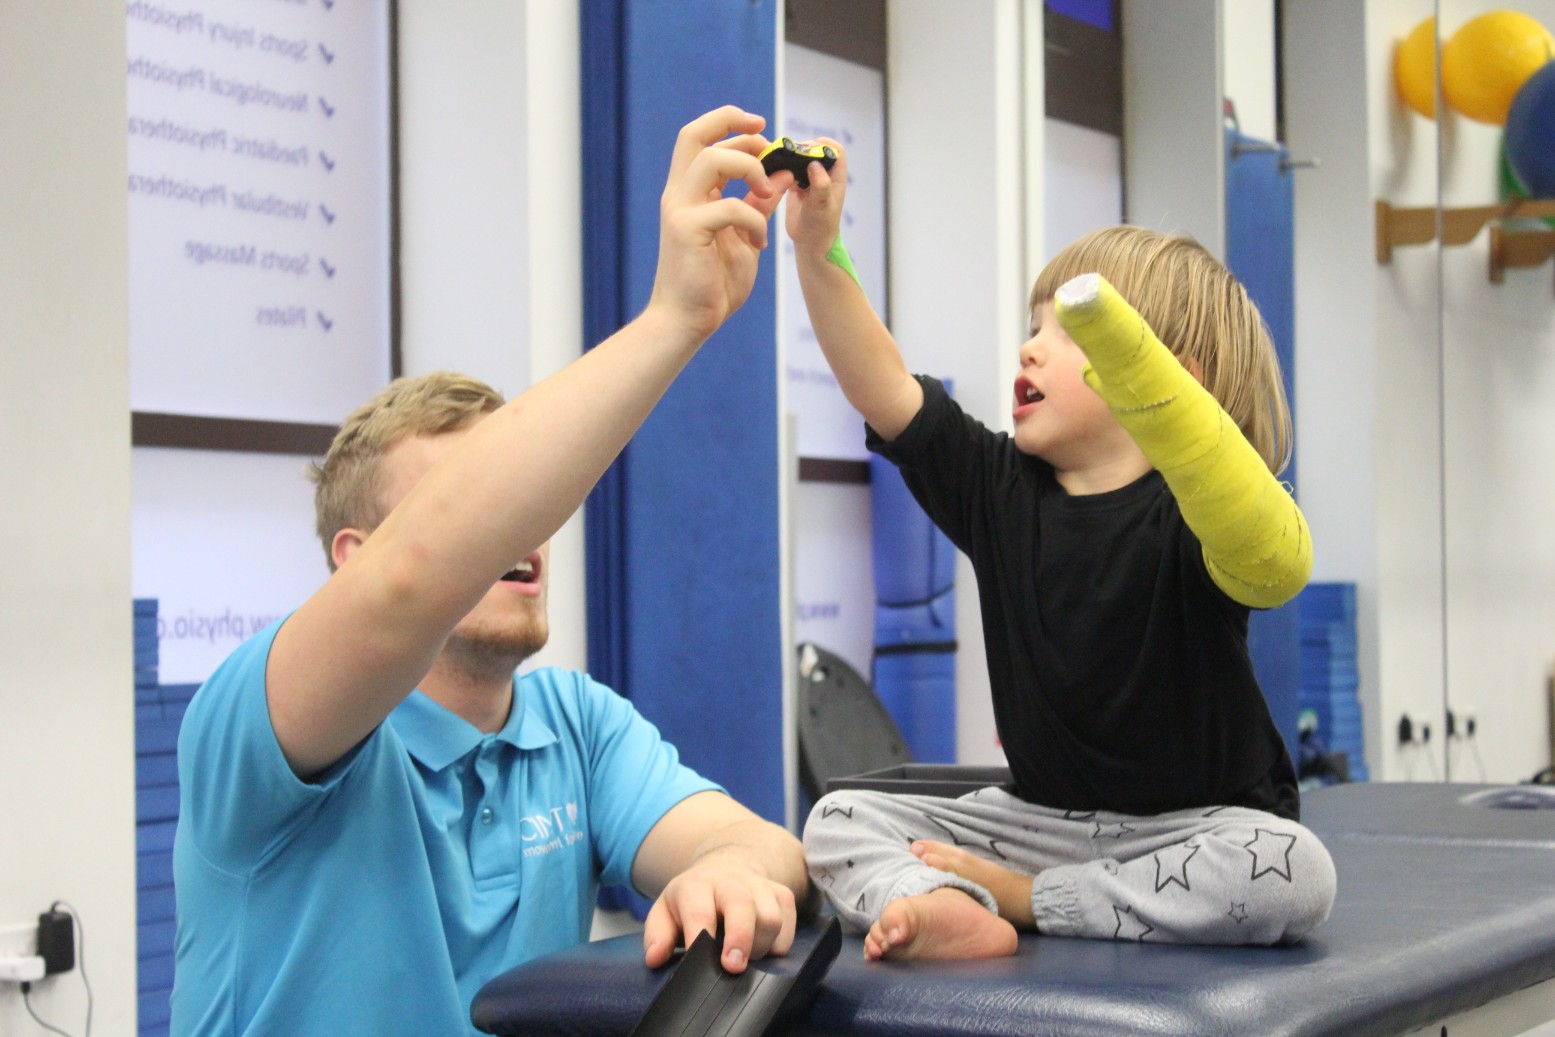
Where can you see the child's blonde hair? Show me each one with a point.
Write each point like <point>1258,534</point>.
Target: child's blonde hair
<point>348,493</point>
<point>1202,313</point>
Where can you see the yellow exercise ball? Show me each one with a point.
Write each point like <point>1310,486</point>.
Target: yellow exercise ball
<point>1414,68</point>
<point>1489,58</point>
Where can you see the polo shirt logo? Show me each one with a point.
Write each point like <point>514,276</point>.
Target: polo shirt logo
<point>553,829</point>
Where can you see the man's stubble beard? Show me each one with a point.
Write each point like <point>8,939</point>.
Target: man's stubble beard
<point>495,654</point>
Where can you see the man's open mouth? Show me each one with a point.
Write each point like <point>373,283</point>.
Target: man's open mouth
<point>524,572</point>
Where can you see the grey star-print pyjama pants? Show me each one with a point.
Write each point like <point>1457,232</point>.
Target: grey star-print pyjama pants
<point>1224,875</point>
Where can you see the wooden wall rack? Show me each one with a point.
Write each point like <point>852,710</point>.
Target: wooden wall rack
<point>1399,225</point>
<point>1509,246</point>
<point>1516,248</point>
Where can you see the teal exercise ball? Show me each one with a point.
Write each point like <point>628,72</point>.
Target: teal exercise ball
<point>1530,133</point>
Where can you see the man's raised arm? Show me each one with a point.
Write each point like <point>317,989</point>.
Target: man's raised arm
<point>356,648</point>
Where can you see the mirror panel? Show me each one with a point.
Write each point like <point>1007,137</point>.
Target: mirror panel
<point>1497,416</point>
<point>1367,358</point>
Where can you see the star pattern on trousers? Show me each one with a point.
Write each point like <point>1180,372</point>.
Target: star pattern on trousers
<point>1171,865</point>
<point>1238,912</point>
<point>1271,853</point>
<point>1114,830</point>
<point>1130,926</point>
<point>831,808</point>
<point>968,836</point>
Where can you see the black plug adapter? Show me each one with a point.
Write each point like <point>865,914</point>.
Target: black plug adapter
<point>56,941</point>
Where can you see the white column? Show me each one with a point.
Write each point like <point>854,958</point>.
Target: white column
<point>67,740</point>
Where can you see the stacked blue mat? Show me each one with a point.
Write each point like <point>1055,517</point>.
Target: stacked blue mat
<point>914,670</point>
<point>159,710</point>
<point>1330,681</point>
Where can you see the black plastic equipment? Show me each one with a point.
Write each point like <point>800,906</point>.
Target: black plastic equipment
<point>702,1000</point>
<point>843,727</point>
<point>950,781</point>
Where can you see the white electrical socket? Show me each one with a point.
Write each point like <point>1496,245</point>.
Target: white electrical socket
<point>21,970</point>
<point>19,940</point>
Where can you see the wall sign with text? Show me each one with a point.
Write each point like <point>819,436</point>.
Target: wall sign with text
<point>259,180</point>
<point>827,96</point>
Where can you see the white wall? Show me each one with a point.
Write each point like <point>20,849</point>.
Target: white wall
<point>67,819</point>
<point>960,259</point>
<point>1336,322</point>
<point>1248,65</point>
<point>490,240</point>
<point>1174,142</point>
<point>1405,401</point>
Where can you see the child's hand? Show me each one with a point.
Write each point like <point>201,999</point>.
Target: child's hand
<point>814,214</point>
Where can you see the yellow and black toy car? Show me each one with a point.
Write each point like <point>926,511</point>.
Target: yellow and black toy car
<point>796,158</point>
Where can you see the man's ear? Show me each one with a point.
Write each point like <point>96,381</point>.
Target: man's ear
<point>344,544</point>
<point>1194,369</point>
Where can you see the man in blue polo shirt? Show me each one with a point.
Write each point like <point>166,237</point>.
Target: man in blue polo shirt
<point>377,816</point>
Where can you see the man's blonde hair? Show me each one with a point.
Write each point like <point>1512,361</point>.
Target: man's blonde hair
<point>348,490</point>
<point>1202,313</point>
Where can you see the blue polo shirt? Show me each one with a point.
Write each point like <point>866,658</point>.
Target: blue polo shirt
<point>380,897</point>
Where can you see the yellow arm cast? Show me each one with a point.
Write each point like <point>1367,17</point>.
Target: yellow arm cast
<point>1256,542</point>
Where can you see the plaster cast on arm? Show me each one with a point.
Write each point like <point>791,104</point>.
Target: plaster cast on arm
<point>1256,542</point>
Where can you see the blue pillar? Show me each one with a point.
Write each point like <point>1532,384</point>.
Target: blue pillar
<point>683,531</point>
<point>1260,251</point>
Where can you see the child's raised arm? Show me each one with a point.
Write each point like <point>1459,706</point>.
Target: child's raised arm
<point>860,350</point>
<point>1256,542</point>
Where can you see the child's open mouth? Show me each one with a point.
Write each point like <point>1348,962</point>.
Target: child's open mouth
<point>1026,393</point>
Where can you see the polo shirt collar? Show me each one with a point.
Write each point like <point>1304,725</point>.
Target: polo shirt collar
<point>437,737</point>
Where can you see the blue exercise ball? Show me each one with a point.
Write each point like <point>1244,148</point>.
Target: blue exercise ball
<point>1530,133</point>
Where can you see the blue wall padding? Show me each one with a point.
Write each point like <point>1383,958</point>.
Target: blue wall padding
<point>1273,639</point>
<point>1330,676</point>
<point>1260,250</point>
<point>1093,12</point>
<point>683,599</point>
<point>914,669</point>
<point>918,689</point>
<point>914,563</point>
<point>159,712</point>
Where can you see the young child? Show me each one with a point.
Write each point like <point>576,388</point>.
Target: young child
<point>1119,537</point>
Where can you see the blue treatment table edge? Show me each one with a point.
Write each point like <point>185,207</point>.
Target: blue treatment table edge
<point>1446,902</point>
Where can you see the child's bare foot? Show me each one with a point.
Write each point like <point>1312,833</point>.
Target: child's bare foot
<point>944,923</point>
<point>1011,889</point>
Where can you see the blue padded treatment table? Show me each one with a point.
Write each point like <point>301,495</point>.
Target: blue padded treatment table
<point>1445,904</point>
<point>1438,812</point>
